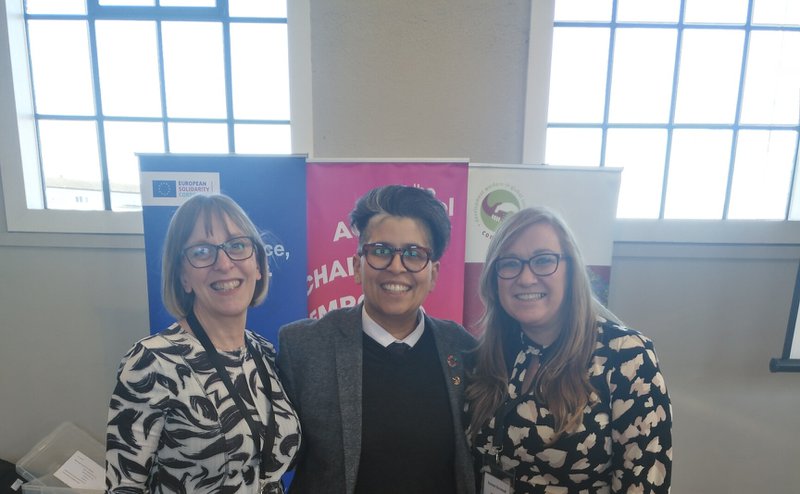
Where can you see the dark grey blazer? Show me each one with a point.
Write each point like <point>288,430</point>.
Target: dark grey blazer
<point>320,364</point>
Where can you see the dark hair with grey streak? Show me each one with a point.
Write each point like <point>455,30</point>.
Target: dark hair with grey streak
<point>407,202</point>
<point>203,208</point>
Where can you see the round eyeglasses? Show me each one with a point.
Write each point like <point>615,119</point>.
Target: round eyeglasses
<point>380,256</point>
<point>508,268</point>
<point>205,255</point>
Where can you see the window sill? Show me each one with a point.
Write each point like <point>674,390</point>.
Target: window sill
<point>57,221</point>
<point>72,229</point>
<point>740,232</point>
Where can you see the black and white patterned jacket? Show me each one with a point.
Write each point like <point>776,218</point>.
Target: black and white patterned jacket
<point>173,427</point>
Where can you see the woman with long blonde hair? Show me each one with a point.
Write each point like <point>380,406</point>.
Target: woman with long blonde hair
<point>563,397</point>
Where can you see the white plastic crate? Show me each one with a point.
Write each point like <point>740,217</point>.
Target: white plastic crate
<point>40,464</point>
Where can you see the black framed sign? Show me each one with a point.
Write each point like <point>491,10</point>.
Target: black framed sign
<point>789,361</point>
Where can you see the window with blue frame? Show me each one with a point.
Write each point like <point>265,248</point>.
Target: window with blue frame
<point>698,100</point>
<point>113,78</point>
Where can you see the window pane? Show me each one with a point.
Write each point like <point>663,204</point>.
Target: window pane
<point>188,3</point>
<point>578,75</point>
<point>62,77</point>
<point>182,72</point>
<point>123,141</point>
<point>583,10</point>
<point>71,164</point>
<point>711,81</point>
<point>648,10</point>
<point>778,12</point>
<point>762,174</point>
<point>55,7</point>
<point>128,66</point>
<point>573,147</point>
<point>263,139</point>
<point>641,84</point>
<point>711,61</point>
<point>794,204</point>
<point>134,3</point>
<point>194,71</point>
<point>260,71</point>
<point>716,11</point>
<point>772,81</point>
<point>698,174</point>
<point>198,138</point>
<point>257,8</point>
<point>641,152</point>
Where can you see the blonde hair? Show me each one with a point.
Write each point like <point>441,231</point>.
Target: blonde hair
<point>563,380</point>
<point>204,208</point>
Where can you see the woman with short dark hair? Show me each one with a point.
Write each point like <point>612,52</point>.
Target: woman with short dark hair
<point>378,387</point>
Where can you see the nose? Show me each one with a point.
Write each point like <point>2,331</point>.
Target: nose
<point>223,262</point>
<point>396,266</point>
<point>527,276</point>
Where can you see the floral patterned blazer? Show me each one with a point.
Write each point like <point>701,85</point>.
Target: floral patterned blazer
<point>624,444</point>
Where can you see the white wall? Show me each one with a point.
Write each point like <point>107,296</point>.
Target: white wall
<point>440,78</point>
<point>717,315</point>
<point>68,316</point>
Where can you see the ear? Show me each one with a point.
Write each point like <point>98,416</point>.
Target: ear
<point>434,274</point>
<point>185,283</point>
<point>357,268</point>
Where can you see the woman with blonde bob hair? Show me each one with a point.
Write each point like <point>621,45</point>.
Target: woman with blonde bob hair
<point>177,300</point>
<point>198,406</point>
<point>563,397</point>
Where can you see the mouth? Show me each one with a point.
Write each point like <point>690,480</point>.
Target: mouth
<point>395,287</point>
<point>529,296</point>
<point>225,285</point>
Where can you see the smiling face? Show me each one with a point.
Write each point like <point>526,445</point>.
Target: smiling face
<point>225,289</point>
<point>535,301</point>
<point>392,296</point>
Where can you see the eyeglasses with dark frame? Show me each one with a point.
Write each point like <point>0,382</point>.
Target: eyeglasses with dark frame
<point>508,268</point>
<point>380,256</point>
<point>205,255</point>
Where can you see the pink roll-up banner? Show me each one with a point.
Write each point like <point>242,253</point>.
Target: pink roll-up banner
<point>332,190</point>
<point>586,197</point>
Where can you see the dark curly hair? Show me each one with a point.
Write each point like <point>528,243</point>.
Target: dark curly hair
<point>408,202</point>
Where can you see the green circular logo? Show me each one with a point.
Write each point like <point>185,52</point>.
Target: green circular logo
<point>498,204</point>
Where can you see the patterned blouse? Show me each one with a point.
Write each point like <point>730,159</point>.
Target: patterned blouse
<point>173,426</point>
<point>624,444</point>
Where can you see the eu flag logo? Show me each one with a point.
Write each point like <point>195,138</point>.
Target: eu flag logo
<point>164,188</point>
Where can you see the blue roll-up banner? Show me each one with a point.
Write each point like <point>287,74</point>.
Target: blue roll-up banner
<point>271,190</point>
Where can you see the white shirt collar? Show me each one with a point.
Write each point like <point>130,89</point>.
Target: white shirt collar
<point>383,337</point>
